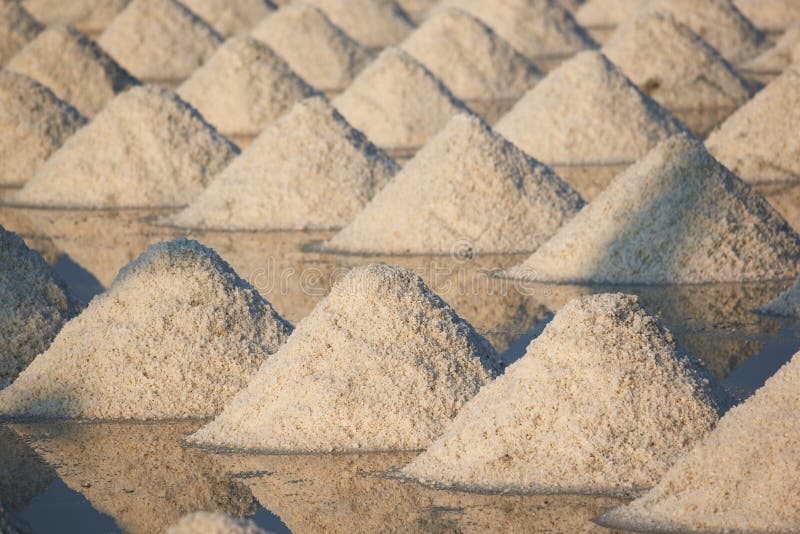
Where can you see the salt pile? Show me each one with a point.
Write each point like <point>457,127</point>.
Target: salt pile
<point>606,13</point>
<point>786,304</point>
<point>770,14</point>
<point>147,148</point>
<point>159,40</point>
<point>397,102</point>
<point>785,52</point>
<point>90,16</point>
<point>308,170</point>
<point>231,17</point>
<point>175,336</point>
<point>602,401</point>
<point>417,10</point>
<point>470,58</point>
<point>759,142</point>
<point>243,87</point>
<point>381,363</point>
<point>73,67</point>
<point>17,27</point>
<point>468,187</point>
<point>33,124</point>
<point>676,216</point>
<point>587,112</point>
<point>213,523</point>
<point>674,65</point>
<point>743,477</point>
<point>314,47</point>
<point>375,23</point>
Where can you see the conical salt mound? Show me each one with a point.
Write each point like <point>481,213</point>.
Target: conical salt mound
<point>743,477</point>
<point>467,188</point>
<point>773,15</point>
<point>33,124</point>
<point>214,523</point>
<point>587,112</point>
<point>674,65</point>
<point>318,50</point>
<point>159,40</point>
<point>759,142</point>
<point>785,52</point>
<point>676,216</point>
<point>374,23</point>
<point>243,87</point>
<point>17,27</point>
<point>35,305</point>
<point>147,148</point>
<point>606,13</point>
<point>397,102</point>
<point>231,17</point>
<point>381,363</point>
<point>309,170</point>
<point>73,67</point>
<point>786,304</point>
<point>470,58</point>
<point>602,401</point>
<point>175,336</point>
<point>90,16</point>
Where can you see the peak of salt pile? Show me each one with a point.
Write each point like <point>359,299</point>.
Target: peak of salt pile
<point>602,401</point>
<point>243,87</point>
<point>381,363</point>
<point>175,336</point>
<point>470,58</point>
<point>308,170</point>
<point>159,40</point>
<point>33,124</point>
<point>314,47</point>
<point>786,304</point>
<point>674,65</point>
<point>231,17</point>
<point>374,23</point>
<point>675,216</point>
<point>74,67</point>
<point>146,148</point>
<point>587,112</point>
<point>397,102</point>
<point>606,13</point>
<point>743,477</point>
<point>467,186</point>
<point>213,523</point>
<point>785,52</point>
<point>91,16</point>
<point>770,14</point>
<point>17,27</point>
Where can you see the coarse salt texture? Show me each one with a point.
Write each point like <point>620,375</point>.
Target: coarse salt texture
<point>147,148</point>
<point>17,27</point>
<point>318,50</point>
<point>159,40</point>
<point>786,304</point>
<point>743,477</point>
<point>33,124</point>
<point>470,58</point>
<point>468,189</point>
<point>175,336</point>
<point>243,87</point>
<point>382,363</point>
<point>587,112</point>
<point>213,523</point>
<point>785,52</point>
<point>773,15</point>
<point>602,401</point>
<point>309,170</point>
<point>74,67</point>
<point>676,216</point>
<point>91,16</point>
<point>606,13</point>
<point>231,17</point>
<point>374,23</point>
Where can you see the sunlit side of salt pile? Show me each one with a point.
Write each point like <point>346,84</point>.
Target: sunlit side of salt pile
<point>606,13</point>
<point>17,27</point>
<point>374,23</point>
<point>602,401</point>
<point>786,304</point>
<point>676,216</point>
<point>785,52</point>
<point>469,189</point>
<point>92,16</point>
<point>213,523</point>
<point>175,336</point>
<point>147,148</point>
<point>381,363</point>
<point>231,17</point>
<point>770,14</point>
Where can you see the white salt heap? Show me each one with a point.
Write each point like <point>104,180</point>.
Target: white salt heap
<point>308,170</point>
<point>243,87</point>
<point>743,477</point>
<point>602,401</point>
<point>231,17</point>
<point>770,14</point>
<point>73,67</point>
<point>374,23</point>
<point>785,52</point>
<point>91,16</point>
<point>17,27</point>
<point>159,40</point>
<point>759,142</point>
<point>606,13</point>
<point>318,50</point>
<point>676,216</point>
<point>786,304</point>
<point>468,187</point>
<point>586,111</point>
<point>381,363</point>
<point>175,336</point>
<point>213,523</point>
<point>33,124</point>
<point>147,148</point>
<point>397,102</point>
<point>470,58</point>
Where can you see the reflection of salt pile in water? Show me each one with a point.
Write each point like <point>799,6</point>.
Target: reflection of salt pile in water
<point>231,17</point>
<point>770,14</point>
<point>89,16</point>
<point>10,523</point>
<point>467,186</point>
<point>17,27</point>
<point>787,303</point>
<point>23,473</point>
<point>147,148</point>
<point>308,170</point>
<point>602,401</point>
<point>73,67</point>
<point>375,23</point>
<point>381,363</point>
<point>213,523</point>
<point>743,477</point>
<point>785,52</point>
<point>176,335</point>
<point>606,13</point>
